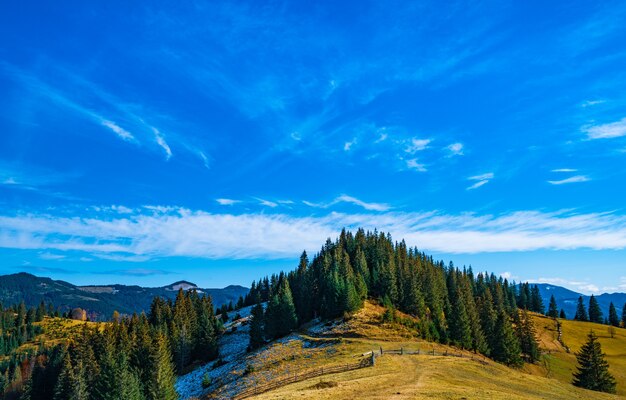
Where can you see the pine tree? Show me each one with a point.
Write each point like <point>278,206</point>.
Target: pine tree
<point>162,379</point>
<point>206,347</point>
<point>595,313</point>
<point>536,301</point>
<point>613,318</point>
<point>256,327</point>
<point>528,337</point>
<point>64,389</point>
<point>280,317</point>
<point>488,318</point>
<point>593,370</point>
<point>506,345</point>
<point>581,312</point>
<point>562,314</point>
<point>624,316</point>
<point>553,311</point>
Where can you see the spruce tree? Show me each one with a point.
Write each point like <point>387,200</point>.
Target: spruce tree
<point>562,314</point>
<point>256,327</point>
<point>506,345</point>
<point>536,301</point>
<point>553,311</point>
<point>206,347</point>
<point>581,311</point>
<point>595,313</point>
<point>162,379</point>
<point>593,370</point>
<point>528,337</point>
<point>280,316</point>
<point>624,316</point>
<point>613,318</point>
<point>64,388</point>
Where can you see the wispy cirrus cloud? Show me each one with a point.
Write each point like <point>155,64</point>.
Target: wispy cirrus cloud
<point>96,105</point>
<point>119,131</point>
<point>158,136</point>
<point>573,179</point>
<point>183,232</point>
<point>481,180</point>
<point>351,200</point>
<point>564,170</point>
<point>267,203</point>
<point>455,149</point>
<point>227,202</point>
<point>606,131</point>
<point>415,165</point>
<point>416,145</point>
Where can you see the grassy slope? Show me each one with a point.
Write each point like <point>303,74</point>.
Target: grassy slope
<point>422,377</point>
<point>560,365</point>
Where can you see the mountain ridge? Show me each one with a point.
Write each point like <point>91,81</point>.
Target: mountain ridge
<point>99,300</point>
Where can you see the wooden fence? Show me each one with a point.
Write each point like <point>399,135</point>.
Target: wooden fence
<point>258,389</point>
<point>368,361</point>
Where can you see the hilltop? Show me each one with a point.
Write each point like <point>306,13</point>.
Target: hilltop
<point>99,300</point>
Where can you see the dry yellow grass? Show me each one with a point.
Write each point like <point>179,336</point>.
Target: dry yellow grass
<point>437,377</point>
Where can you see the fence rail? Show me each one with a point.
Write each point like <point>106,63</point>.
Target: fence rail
<point>364,363</point>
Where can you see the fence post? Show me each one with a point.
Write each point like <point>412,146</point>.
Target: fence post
<point>373,359</point>
<point>401,351</point>
<point>381,350</point>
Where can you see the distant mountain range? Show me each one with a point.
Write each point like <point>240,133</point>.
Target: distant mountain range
<point>567,299</point>
<point>99,300</point>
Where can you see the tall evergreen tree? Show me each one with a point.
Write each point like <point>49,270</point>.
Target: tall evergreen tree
<point>613,318</point>
<point>593,370</point>
<point>624,316</point>
<point>581,311</point>
<point>595,313</point>
<point>206,347</point>
<point>536,301</point>
<point>562,314</point>
<point>256,327</point>
<point>162,380</point>
<point>280,316</point>
<point>553,311</point>
<point>506,345</point>
<point>528,337</point>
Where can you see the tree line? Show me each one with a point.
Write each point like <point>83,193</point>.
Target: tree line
<point>133,357</point>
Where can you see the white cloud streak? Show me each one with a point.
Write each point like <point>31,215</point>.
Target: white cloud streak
<point>565,170</point>
<point>351,200</point>
<point>182,232</point>
<point>606,131</point>
<point>416,145</point>
<point>482,179</point>
<point>158,136</point>
<point>414,165</point>
<point>119,131</point>
<point>455,149</point>
<point>573,179</point>
<point>227,202</point>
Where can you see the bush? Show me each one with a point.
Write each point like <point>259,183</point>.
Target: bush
<point>249,369</point>
<point>206,381</point>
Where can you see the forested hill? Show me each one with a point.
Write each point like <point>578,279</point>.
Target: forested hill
<point>99,301</point>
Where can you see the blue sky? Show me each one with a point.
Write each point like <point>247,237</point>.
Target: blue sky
<point>146,143</point>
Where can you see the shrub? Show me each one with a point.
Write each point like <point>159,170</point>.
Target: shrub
<point>206,381</point>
